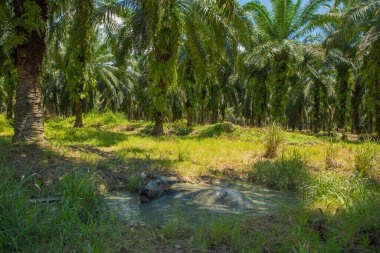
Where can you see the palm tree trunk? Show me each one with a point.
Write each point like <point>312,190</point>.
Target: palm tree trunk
<point>78,113</point>
<point>376,98</point>
<point>344,92</point>
<point>29,113</point>
<point>1,101</point>
<point>10,106</point>
<point>158,128</point>
<point>279,87</point>
<point>356,100</point>
<point>189,114</point>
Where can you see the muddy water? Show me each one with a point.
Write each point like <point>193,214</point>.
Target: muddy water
<point>193,203</point>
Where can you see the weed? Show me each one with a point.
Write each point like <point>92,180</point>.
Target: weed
<point>274,138</point>
<point>183,153</point>
<point>284,174</point>
<point>365,158</point>
<point>335,190</point>
<point>134,183</point>
<point>78,222</point>
<point>217,130</point>
<point>331,154</point>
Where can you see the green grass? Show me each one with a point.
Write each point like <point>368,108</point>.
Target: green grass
<point>338,188</point>
<point>80,221</point>
<point>287,173</point>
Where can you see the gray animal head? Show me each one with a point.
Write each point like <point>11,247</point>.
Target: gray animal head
<point>155,188</point>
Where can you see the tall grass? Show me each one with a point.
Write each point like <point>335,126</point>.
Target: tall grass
<point>365,158</point>
<point>288,173</point>
<point>339,191</point>
<point>78,222</point>
<point>331,154</point>
<point>274,138</point>
<point>217,130</point>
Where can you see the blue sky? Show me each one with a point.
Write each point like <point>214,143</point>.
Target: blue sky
<point>265,2</point>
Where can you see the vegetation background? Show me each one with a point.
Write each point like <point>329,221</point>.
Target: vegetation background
<point>283,94</point>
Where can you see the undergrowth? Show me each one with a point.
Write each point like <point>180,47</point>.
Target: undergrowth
<point>274,138</point>
<point>79,221</point>
<point>287,173</point>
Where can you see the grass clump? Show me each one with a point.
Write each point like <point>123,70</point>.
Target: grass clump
<point>106,120</point>
<point>365,158</point>
<point>221,232</point>
<point>332,150</point>
<point>134,183</point>
<point>180,129</point>
<point>285,174</point>
<point>334,190</point>
<point>274,138</point>
<point>217,130</point>
<point>78,222</point>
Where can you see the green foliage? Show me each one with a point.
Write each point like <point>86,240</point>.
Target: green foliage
<point>366,158</point>
<point>217,130</point>
<point>221,231</point>
<point>285,174</point>
<point>134,183</point>
<point>181,130</point>
<point>77,222</point>
<point>274,138</point>
<point>344,191</point>
<point>332,150</point>
<point>81,46</point>
<point>17,28</point>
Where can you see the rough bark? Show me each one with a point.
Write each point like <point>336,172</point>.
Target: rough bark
<point>78,114</point>
<point>356,100</point>
<point>377,108</point>
<point>158,128</point>
<point>10,106</point>
<point>29,113</point>
<point>279,87</point>
<point>344,95</point>
<point>189,114</point>
<point>1,101</point>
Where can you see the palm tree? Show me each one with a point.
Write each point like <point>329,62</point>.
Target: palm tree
<point>26,39</point>
<point>365,18</point>
<point>111,82</point>
<point>360,29</point>
<point>279,32</point>
<point>82,38</point>
<point>161,25</point>
<point>341,52</point>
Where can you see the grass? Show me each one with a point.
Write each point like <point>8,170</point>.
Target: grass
<point>331,154</point>
<point>78,222</point>
<point>338,186</point>
<point>288,173</point>
<point>365,159</point>
<point>274,138</point>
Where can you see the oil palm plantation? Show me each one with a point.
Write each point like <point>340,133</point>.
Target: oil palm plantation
<point>160,27</point>
<point>279,32</point>
<point>82,39</point>
<point>366,19</point>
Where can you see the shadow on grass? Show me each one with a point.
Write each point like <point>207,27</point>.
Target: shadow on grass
<point>94,136</point>
<point>50,163</point>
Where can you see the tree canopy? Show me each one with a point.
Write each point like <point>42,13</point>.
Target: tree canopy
<point>295,63</point>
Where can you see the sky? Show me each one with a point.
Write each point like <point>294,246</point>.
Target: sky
<point>265,2</point>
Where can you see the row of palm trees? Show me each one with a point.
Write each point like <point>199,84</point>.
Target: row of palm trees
<point>205,61</point>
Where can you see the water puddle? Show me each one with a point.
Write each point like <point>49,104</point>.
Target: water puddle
<point>193,203</point>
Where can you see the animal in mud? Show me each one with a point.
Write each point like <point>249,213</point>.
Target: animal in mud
<point>156,187</point>
<point>219,197</point>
